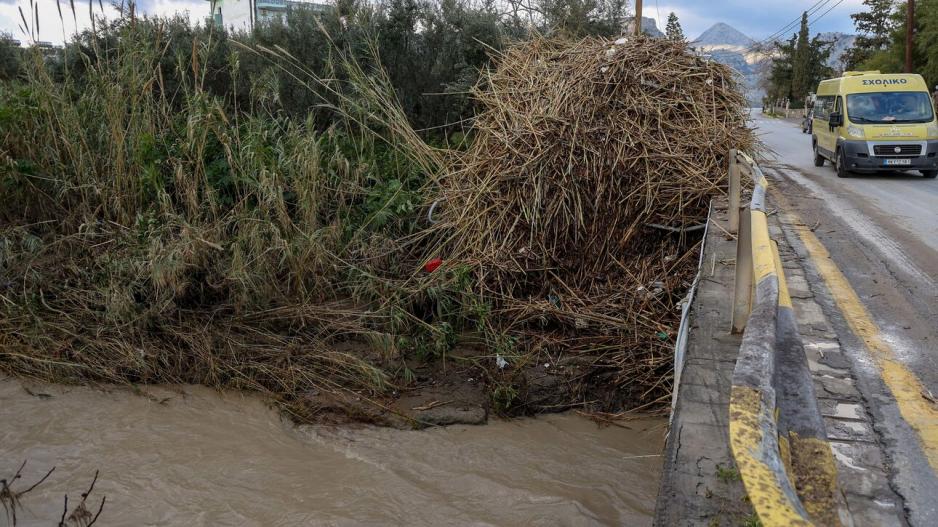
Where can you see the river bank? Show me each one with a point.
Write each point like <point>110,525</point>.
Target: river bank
<point>193,456</point>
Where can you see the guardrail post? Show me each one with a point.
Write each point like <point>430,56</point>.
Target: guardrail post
<point>734,191</point>
<point>742,292</point>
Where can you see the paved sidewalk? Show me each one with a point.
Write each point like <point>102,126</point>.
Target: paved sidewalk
<point>700,484</point>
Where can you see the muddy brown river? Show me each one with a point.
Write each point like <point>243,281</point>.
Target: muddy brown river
<point>194,456</point>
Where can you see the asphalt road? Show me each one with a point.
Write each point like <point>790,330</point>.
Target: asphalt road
<point>906,201</point>
<point>882,233</point>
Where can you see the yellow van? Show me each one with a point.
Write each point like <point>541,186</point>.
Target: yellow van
<point>868,122</point>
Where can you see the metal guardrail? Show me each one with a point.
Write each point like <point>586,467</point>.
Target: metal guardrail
<point>776,434</point>
<point>683,332</point>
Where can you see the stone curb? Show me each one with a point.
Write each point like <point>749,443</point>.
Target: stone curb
<point>776,431</point>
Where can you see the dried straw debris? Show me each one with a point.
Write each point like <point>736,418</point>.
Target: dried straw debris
<point>579,148</point>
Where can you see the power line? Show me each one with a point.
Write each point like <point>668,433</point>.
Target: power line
<point>813,9</point>
<point>828,11</point>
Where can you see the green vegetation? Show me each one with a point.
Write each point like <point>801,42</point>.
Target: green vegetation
<point>727,474</point>
<point>800,64</point>
<point>166,219</point>
<point>873,26</point>
<point>673,29</point>
<point>881,45</point>
<point>10,57</point>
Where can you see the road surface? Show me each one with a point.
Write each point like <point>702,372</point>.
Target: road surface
<point>881,233</point>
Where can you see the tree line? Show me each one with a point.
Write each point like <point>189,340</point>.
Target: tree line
<point>881,42</point>
<point>799,64</point>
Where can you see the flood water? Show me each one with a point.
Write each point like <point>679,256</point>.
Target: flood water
<point>193,456</point>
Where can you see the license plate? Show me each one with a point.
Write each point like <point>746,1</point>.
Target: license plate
<point>896,162</point>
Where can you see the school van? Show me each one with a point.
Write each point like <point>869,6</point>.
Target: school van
<point>871,122</point>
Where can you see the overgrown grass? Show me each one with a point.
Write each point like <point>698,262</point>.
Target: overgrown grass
<point>153,236</point>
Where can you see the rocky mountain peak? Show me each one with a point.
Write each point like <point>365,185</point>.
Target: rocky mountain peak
<point>722,34</point>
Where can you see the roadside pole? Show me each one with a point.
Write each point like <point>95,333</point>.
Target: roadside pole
<point>909,31</point>
<point>734,191</point>
<point>638,17</point>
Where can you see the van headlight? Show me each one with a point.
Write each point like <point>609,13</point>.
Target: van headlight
<point>932,131</point>
<point>855,131</point>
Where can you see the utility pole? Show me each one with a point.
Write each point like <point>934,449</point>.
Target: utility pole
<point>638,17</point>
<point>909,29</point>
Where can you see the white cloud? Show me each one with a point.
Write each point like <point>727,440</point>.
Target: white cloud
<point>50,25</point>
<point>197,10</point>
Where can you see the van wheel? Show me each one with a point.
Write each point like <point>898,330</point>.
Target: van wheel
<point>841,164</point>
<point>818,158</point>
<point>930,174</point>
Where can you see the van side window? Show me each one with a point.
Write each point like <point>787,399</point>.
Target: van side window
<point>822,108</point>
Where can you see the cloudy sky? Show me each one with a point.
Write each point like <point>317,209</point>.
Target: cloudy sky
<point>758,19</point>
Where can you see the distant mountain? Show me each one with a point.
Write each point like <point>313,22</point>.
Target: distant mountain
<point>726,44</point>
<point>650,27</point>
<point>842,42</point>
<point>723,36</point>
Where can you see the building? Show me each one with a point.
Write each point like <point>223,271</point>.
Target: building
<point>244,15</point>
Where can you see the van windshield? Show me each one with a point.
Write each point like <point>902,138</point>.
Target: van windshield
<point>889,107</point>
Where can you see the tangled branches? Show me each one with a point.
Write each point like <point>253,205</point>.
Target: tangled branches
<point>581,149</point>
<point>80,516</point>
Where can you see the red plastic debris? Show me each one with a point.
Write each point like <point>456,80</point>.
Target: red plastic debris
<point>432,265</point>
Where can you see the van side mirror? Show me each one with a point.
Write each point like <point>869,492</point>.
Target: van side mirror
<point>836,119</point>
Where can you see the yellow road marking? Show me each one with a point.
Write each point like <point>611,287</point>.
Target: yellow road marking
<point>919,413</point>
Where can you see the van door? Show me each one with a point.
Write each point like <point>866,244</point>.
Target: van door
<point>821,125</point>
<point>830,143</point>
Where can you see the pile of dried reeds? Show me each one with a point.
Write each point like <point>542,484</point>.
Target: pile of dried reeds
<point>590,160</point>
